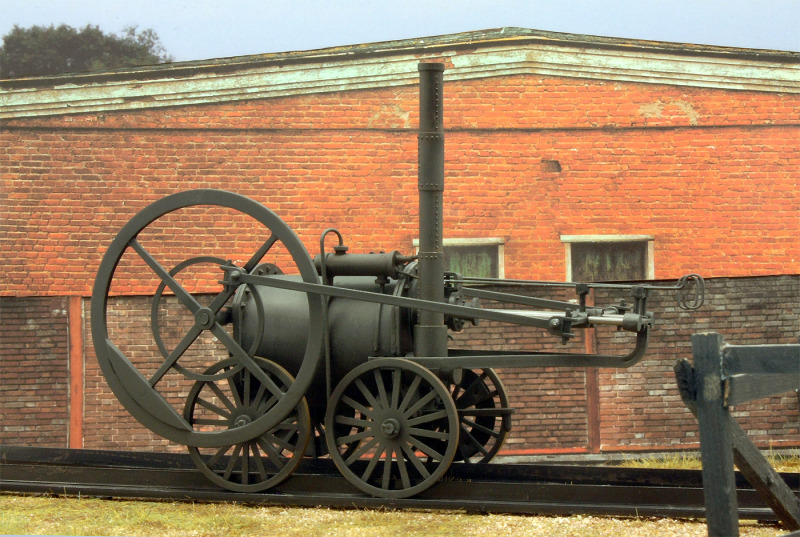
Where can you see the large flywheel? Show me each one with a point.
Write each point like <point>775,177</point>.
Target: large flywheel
<point>171,258</point>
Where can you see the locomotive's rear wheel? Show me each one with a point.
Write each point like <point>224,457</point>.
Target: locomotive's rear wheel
<point>383,421</point>
<point>137,258</point>
<point>483,413</point>
<point>235,401</point>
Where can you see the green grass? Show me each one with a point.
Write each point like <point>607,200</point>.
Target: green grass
<point>37,515</point>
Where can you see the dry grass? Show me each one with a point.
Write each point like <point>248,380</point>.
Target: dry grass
<point>29,515</point>
<point>687,461</point>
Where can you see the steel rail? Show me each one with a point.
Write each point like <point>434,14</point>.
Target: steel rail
<point>495,488</point>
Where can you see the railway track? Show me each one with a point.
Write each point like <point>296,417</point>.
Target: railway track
<point>496,488</point>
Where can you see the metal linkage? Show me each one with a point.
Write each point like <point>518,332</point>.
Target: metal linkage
<point>692,298</point>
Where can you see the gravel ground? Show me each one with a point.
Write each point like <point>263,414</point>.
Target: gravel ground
<point>31,515</point>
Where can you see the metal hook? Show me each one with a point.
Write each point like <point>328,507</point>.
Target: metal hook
<point>698,299</point>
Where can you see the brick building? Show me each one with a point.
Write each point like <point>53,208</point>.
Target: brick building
<point>555,144</point>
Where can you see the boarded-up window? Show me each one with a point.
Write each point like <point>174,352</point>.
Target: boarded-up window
<point>609,260</point>
<point>479,261</point>
<point>473,257</point>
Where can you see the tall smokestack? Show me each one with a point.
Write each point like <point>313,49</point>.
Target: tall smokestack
<point>430,333</point>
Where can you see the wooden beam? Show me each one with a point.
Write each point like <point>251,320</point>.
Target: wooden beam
<point>75,328</point>
<point>742,388</point>
<point>716,450</point>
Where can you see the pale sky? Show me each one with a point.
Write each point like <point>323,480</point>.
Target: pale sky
<point>206,29</point>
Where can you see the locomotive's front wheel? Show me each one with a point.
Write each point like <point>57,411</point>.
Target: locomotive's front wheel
<point>391,428</point>
<point>236,401</point>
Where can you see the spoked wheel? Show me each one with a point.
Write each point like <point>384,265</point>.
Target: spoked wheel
<point>483,413</point>
<point>383,421</point>
<point>239,400</point>
<point>169,250</point>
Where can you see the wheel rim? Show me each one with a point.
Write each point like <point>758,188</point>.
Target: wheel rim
<point>391,428</point>
<point>234,401</point>
<point>482,404</point>
<point>140,392</point>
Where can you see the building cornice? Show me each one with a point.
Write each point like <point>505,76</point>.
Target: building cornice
<point>471,56</point>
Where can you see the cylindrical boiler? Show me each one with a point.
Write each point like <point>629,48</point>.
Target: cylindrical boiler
<point>358,329</point>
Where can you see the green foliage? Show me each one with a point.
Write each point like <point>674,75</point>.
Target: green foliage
<point>52,50</point>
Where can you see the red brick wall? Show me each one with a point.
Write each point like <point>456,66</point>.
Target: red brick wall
<point>711,174</point>
<point>640,408</point>
<point>34,373</point>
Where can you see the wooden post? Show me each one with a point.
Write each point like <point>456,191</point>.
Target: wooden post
<point>592,386</point>
<point>716,449</point>
<point>75,318</point>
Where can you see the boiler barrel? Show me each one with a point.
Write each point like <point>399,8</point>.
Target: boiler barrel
<point>357,329</point>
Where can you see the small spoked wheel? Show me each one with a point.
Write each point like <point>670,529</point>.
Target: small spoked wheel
<point>391,428</point>
<point>483,413</point>
<point>235,401</point>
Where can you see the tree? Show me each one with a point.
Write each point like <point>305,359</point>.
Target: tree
<point>52,50</point>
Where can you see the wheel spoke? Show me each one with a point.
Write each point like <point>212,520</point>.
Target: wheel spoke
<point>427,418</point>
<point>262,471</point>
<point>234,460</point>
<point>456,393</point>
<point>401,465</point>
<point>410,393</point>
<point>266,404</point>
<point>426,433</point>
<point>481,428</point>
<point>275,440</point>
<point>366,393</point>
<point>384,399</point>
<point>430,396</point>
<point>476,383</point>
<point>259,396</point>
<point>355,437</point>
<point>273,455</point>
<point>260,253</point>
<point>206,421</point>
<point>217,456</point>
<point>488,396</point>
<point>222,396</point>
<point>349,401</point>
<point>411,456</point>
<point>354,422</point>
<point>246,388</point>
<point>237,397</point>
<point>373,462</point>
<point>246,463</point>
<point>396,387</point>
<point>183,295</point>
<point>427,450</point>
<point>190,337</point>
<point>214,408</point>
<point>387,469</point>
<point>468,438</point>
<point>365,447</point>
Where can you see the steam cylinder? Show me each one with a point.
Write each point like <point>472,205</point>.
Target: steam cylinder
<point>358,329</point>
